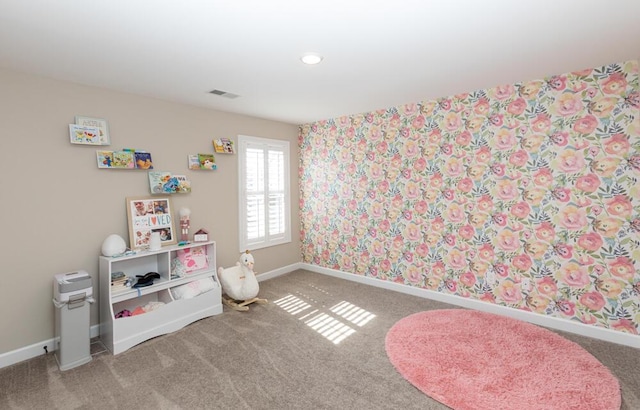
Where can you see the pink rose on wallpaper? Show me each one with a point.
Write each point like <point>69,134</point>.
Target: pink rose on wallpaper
<point>509,292</point>
<point>610,287</point>
<point>608,226</point>
<point>466,232</point>
<point>588,183</point>
<point>532,142</point>
<point>563,250</point>
<point>620,205</point>
<point>561,194</point>
<point>485,252</point>
<point>382,147</point>
<point>592,300</point>
<point>453,167</point>
<point>496,120</point>
<point>485,203</point>
<point>418,122</point>
<point>586,124</point>
<point>542,123</point>
<point>481,107</point>
<point>520,210</point>
<point>501,269</point>
<point>545,231</point>
<point>436,180</point>
<point>456,259</point>
<point>478,219</point>
<point>537,303</point>
<point>385,265</point>
<point>506,189</point>
<point>587,318</point>
<point>468,279</point>
<point>503,92</point>
<point>476,172</point>
<point>421,207</point>
<point>412,190</point>
<point>565,307</point>
<point>517,106</point>
<point>602,107</point>
<point>519,158</point>
<point>536,249</point>
<point>531,89</point>
<point>547,286</point>
<point>437,224</point>
<point>624,325</point>
<point>574,275</point>
<point>422,250</point>
<point>377,249</point>
<point>438,269</point>
<point>455,213</point>
<point>483,155</point>
<point>543,177</point>
<point>560,138</point>
<point>413,274</point>
<point>499,219</point>
<point>451,121</point>
<point>616,83</point>
<point>557,82</point>
<point>420,164</point>
<point>522,262</point>
<point>591,241</point>
<point>622,267</point>
<point>570,161</point>
<point>507,240</point>
<point>572,218</point>
<point>383,187</point>
<point>451,285</point>
<point>617,144</point>
<point>465,185</point>
<point>463,139</point>
<point>568,104</point>
<point>534,196</point>
<point>410,149</point>
<point>413,232</point>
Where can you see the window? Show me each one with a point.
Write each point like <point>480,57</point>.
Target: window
<point>264,195</point>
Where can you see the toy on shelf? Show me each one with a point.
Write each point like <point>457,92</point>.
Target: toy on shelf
<point>239,284</point>
<point>185,213</point>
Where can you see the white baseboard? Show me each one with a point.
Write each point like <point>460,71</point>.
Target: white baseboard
<point>535,318</point>
<point>28,352</point>
<point>37,349</point>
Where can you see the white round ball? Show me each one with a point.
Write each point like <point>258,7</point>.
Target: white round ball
<point>113,245</point>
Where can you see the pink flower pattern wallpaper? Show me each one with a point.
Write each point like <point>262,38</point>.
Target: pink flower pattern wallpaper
<point>525,195</point>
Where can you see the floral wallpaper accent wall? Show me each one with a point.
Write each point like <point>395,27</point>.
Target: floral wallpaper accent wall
<point>525,195</point>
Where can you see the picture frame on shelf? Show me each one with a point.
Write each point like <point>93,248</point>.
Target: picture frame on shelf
<point>101,124</point>
<point>83,134</point>
<point>146,215</point>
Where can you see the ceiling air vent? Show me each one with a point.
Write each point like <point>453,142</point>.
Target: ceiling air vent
<point>224,94</point>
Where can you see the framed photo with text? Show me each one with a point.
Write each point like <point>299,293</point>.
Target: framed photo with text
<point>146,215</point>
<point>99,123</point>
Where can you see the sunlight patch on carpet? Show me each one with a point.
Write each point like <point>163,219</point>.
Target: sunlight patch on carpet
<point>326,324</point>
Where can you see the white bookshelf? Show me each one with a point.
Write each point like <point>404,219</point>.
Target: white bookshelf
<point>120,334</point>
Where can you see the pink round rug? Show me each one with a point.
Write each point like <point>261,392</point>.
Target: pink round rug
<point>474,360</point>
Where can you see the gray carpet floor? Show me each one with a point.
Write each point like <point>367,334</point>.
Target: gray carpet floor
<point>282,355</point>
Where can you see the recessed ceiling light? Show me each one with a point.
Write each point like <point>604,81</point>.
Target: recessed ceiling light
<point>311,58</point>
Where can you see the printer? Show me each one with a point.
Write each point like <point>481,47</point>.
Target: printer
<point>72,285</point>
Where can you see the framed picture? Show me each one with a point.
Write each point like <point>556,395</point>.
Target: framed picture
<point>82,134</point>
<point>146,215</point>
<point>101,124</point>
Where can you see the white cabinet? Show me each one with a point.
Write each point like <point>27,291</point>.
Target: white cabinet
<point>119,334</point>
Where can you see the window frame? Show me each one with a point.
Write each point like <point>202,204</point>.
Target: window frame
<point>245,142</point>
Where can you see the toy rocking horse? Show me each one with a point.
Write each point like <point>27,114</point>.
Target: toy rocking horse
<point>240,285</point>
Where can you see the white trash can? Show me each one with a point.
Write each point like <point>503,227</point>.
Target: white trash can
<point>72,296</point>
